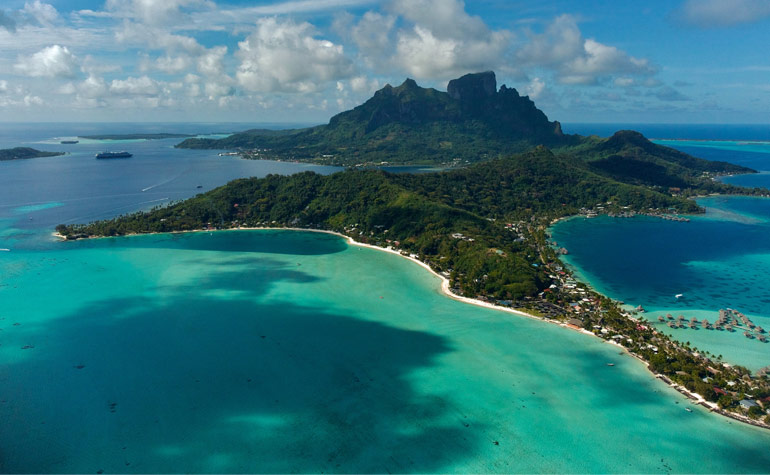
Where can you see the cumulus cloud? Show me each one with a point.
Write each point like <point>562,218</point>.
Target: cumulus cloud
<point>284,56</point>
<point>53,61</point>
<point>3,86</point>
<point>444,40</point>
<point>724,13</point>
<point>577,60</point>
<point>360,84</point>
<point>372,35</point>
<point>7,22</point>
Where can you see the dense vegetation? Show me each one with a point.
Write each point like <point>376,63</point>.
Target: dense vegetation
<point>23,153</point>
<point>629,157</point>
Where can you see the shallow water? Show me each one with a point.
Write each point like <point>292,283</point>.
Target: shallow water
<point>716,261</point>
<point>277,351</point>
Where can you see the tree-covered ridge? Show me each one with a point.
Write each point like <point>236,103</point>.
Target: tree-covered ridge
<point>456,220</point>
<point>23,153</point>
<point>471,122</point>
<point>629,157</point>
<point>536,183</point>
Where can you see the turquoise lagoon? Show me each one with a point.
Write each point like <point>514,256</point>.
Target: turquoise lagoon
<point>717,260</point>
<point>279,351</point>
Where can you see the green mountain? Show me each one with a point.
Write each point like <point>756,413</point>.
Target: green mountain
<point>629,157</point>
<point>471,122</point>
<point>23,153</point>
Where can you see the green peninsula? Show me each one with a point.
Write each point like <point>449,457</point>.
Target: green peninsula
<point>482,225</point>
<point>24,153</point>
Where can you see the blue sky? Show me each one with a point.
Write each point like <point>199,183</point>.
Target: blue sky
<point>685,61</point>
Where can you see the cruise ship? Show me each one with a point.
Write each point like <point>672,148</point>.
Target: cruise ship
<point>114,155</point>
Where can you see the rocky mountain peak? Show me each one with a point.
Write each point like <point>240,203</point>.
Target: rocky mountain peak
<point>473,86</point>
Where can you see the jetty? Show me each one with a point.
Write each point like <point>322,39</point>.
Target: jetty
<point>729,320</point>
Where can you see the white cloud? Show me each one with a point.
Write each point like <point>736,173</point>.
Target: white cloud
<point>171,64</point>
<point>360,84</point>
<point>93,87</point>
<point>30,100</point>
<point>284,56</point>
<point>211,61</point>
<point>577,60</point>
<point>535,88</point>
<point>215,90</point>
<point>445,18</point>
<point>445,41</point>
<point>723,13</point>
<point>53,61</point>
<point>372,35</point>
<point>142,86</point>
<point>3,86</point>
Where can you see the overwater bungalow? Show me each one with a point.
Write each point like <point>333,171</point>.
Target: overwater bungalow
<point>669,316</point>
<point>671,325</point>
<point>680,317</point>
<point>661,318</point>
<point>693,320</point>
<point>759,330</point>
<point>763,338</point>
<point>692,325</point>
<point>748,335</point>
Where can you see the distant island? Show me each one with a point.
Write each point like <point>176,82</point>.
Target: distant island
<point>483,225</point>
<point>135,136</point>
<point>24,153</point>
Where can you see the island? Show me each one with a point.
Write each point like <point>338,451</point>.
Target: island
<point>135,136</point>
<point>24,153</point>
<point>482,225</point>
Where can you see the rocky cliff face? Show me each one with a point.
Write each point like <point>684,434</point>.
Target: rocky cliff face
<point>473,87</point>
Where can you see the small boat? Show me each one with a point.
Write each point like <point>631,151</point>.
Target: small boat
<point>5,250</point>
<point>688,409</point>
<point>610,364</point>
<point>114,155</point>
<point>678,296</point>
<point>199,186</point>
<point>69,142</point>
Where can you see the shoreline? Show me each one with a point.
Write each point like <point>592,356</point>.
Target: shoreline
<point>445,289</point>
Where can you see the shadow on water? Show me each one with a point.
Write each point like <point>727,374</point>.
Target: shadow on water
<point>225,385</point>
<point>268,241</point>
